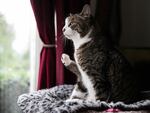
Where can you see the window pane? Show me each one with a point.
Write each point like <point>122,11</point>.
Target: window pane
<point>16,30</point>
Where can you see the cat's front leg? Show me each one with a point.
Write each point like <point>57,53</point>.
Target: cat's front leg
<point>77,94</point>
<point>66,59</point>
<point>91,97</point>
<point>70,64</point>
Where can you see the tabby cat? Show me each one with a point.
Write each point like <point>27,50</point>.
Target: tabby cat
<point>103,72</point>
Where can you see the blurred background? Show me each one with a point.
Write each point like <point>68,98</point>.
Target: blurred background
<point>17,41</point>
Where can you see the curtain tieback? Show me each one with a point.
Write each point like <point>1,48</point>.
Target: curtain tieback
<point>49,45</point>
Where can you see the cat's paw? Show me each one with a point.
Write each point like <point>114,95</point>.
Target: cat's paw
<point>73,100</point>
<point>91,98</point>
<point>65,59</point>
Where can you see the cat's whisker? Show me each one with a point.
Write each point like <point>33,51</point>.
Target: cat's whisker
<point>60,36</point>
<point>63,38</point>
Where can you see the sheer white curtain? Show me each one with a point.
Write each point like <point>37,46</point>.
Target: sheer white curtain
<point>35,49</point>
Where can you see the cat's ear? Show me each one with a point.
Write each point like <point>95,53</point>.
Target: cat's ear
<point>70,14</point>
<point>86,11</point>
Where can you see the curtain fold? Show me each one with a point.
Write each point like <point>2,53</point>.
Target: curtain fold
<point>44,15</point>
<point>59,8</point>
<point>108,17</point>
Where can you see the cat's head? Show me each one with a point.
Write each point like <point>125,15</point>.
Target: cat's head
<point>78,24</point>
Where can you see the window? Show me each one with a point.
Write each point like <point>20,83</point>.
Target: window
<point>17,52</point>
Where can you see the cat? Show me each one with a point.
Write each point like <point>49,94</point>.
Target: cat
<point>103,73</point>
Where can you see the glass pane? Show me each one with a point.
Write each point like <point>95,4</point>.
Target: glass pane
<point>16,29</point>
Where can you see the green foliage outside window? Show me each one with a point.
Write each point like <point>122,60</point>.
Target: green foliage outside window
<point>12,65</point>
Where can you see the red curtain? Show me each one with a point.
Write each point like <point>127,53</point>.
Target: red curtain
<point>44,15</point>
<point>108,17</point>
<point>59,41</point>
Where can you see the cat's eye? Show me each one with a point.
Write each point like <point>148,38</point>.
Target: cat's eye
<point>70,24</point>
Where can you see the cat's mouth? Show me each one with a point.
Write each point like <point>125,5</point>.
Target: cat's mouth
<point>67,36</point>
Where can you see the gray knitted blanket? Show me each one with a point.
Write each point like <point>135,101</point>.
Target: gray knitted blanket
<point>54,101</point>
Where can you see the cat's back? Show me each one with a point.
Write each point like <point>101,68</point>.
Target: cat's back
<point>124,83</point>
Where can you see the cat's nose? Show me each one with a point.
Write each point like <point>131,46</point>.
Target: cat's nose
<point>63,30</point>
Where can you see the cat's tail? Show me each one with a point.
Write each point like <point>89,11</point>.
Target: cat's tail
<point>140,105</point>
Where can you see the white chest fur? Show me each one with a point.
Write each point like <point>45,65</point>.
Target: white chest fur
<point>78,41</point>
<point>87,83</point>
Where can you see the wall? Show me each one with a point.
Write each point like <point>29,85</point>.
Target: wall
<point>135,23</point>
<point>135,37</point>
